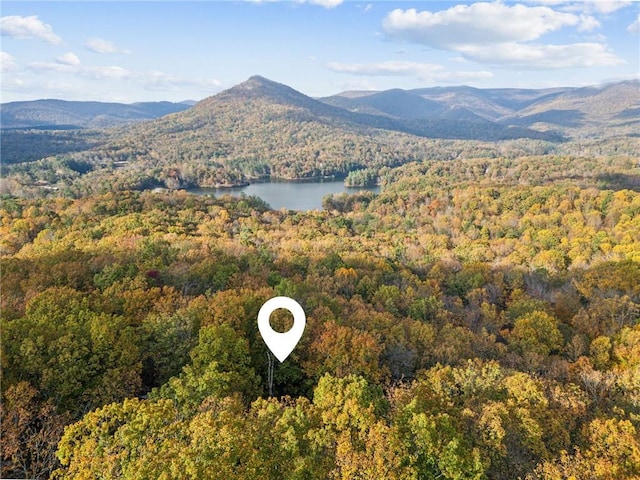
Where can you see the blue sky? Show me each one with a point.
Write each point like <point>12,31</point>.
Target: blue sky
<point>165,50</point>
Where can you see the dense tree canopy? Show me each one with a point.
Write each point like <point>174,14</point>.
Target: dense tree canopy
<point>477,319</point>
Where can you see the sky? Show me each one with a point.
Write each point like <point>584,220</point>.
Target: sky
<point>125,51</point>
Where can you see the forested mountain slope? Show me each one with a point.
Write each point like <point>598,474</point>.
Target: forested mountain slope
<point>597,111</point>
<point>586,112</point>
<point>58,114</point>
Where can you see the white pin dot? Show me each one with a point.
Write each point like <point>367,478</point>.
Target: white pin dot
<point>281,344</point>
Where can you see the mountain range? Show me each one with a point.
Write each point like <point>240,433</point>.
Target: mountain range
<point>61,114</point>
<point>261,128</point>
<point>439,112</point>
<point>569,111</point>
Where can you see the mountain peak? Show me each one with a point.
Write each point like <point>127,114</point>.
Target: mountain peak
<point>262,83</point>
<point>258,88</point>
<point>258,79</point>
<point>257,85</point>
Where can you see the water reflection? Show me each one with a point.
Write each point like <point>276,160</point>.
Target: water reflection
<point>290,195</point>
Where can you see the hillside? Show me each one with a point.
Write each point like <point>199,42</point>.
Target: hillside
<point>601,111</point>
<point>585,111</point>
<point>61,114</point>
<point>384,113</point>
<point>262,128</point>
<point>490,104</point>
<point>395,103</point>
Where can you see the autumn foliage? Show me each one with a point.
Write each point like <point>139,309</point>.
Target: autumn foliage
<point>458,328</point>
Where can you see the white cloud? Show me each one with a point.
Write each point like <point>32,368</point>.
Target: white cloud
<point>69,58</point>
<point>98,45</point>
<point>534,57</point>
<point>600,6</point>
<point>150,80</point>
<point>321,3</point>
<point>12,83</point>
<point>501,35</point>
<point>326,3</point>
<point>161,81</point>
<point>27,28</point>
<point>91,72</point>
<point>588,23</point>
<point>548,2</point>
<point>604,6</point>
<point>478,23</point>
<point>106,73</point>
<point>590,6</point>
<point>7,62</point>
<point>426,72</point>
<point>44,67</point>
<point>635,26</point>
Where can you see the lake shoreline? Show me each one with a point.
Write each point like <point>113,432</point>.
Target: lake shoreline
<point>289,194</point>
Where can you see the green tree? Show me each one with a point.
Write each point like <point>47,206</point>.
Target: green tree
<point>535,336</point>
<point>220,366</point>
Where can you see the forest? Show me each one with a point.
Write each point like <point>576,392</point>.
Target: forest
<point>477,319</point>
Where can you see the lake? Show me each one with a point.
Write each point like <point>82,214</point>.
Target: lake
<point>289,195</point>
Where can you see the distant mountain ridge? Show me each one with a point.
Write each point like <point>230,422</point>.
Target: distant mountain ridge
<point>590,109</point>
<point>53,114</point>
<point>452,123</point>
<point>436,112</point>
<point>571,111</point>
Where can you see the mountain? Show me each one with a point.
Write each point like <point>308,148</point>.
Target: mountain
<point>585,112</point>
<point>61,114</point>
<point>263,128</point>
<point>490,104</point>
<point>575,112</point>
<point>394,103</point>
<point>266,123</point>
<point>394,110</point>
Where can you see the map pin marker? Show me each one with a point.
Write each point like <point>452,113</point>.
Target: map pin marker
<point>281,344</point>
